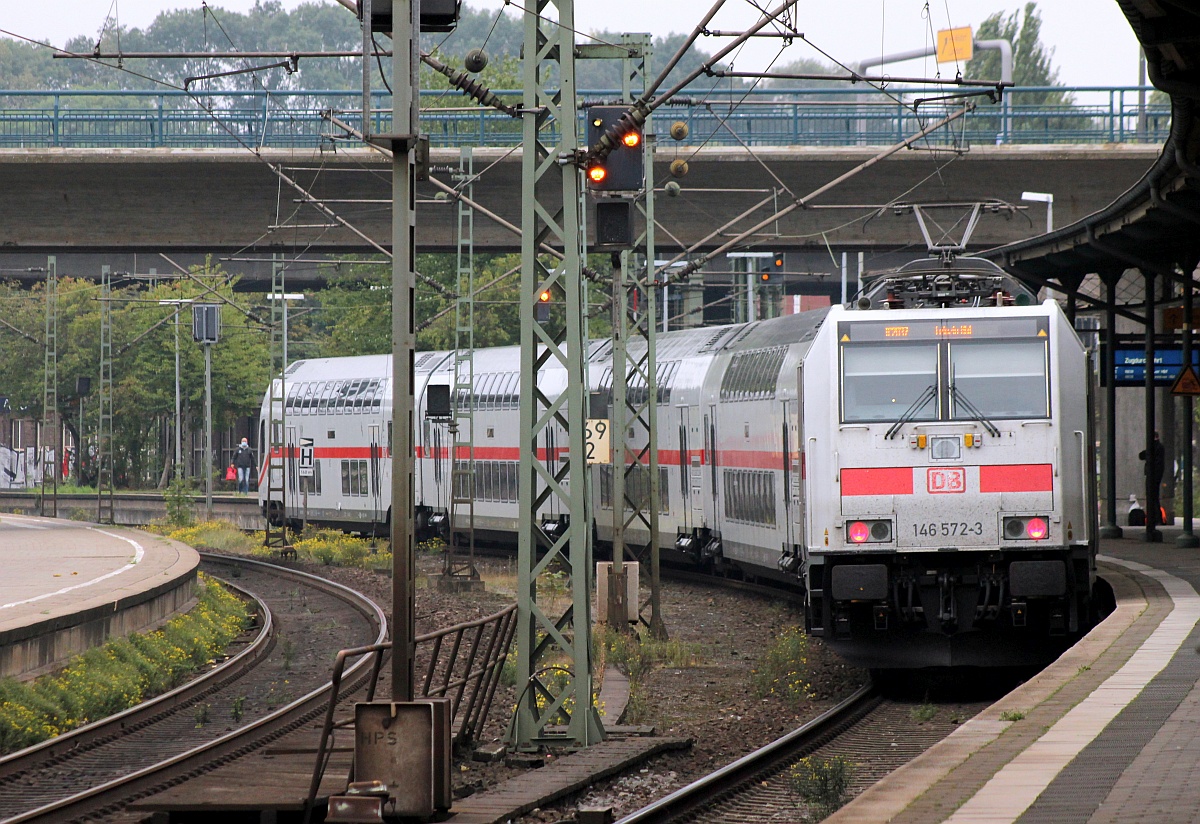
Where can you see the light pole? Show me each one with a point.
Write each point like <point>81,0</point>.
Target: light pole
<point>751,273</point>
<point>286,298</point>
<point>1042,197</point>
<point>178,415</point>
<point>206,330</point>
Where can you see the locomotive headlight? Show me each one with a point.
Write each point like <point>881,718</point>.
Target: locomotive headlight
<point>1029,528</point>
<point>869,532</point>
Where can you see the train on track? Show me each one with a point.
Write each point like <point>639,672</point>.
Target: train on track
<point>920,463</point>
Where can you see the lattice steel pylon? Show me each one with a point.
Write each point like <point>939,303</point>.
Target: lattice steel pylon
<point>636,479</point>
<point>554,664</point>
<point>274,445</point>
<point>460,557</point>
<point>49,390</point>
<point>104,434</point>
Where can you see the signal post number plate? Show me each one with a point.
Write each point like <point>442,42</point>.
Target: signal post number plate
<point>946,480</point>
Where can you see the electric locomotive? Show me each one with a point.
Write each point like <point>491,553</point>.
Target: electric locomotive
<point>948,452</point>
<point>918,464</point>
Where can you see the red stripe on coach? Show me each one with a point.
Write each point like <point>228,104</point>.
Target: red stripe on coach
<point>1016,478</point>
<point>878,480</point>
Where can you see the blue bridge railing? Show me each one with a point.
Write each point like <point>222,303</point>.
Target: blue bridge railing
<point>771,117</point>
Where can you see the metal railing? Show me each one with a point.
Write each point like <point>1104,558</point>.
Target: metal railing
<point>466,670</point>
<point>763,117</point>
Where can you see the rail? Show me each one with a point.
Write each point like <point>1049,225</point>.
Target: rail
<point>745,769</point>
<point>760,117</point>
<point>480,665</point>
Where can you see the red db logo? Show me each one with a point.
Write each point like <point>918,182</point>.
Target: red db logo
<point>946,481</point>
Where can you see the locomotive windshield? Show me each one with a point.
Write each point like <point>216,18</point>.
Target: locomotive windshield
<point>1001,380</point>
<point>881,383</point>
<point>973,369</point>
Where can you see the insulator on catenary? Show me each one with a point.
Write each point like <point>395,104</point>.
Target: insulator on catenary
<point>469,86</point>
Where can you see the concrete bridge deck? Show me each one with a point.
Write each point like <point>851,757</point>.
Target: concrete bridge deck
<point>230,200</point>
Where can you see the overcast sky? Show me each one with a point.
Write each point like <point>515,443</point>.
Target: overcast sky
<point>1093,44</point>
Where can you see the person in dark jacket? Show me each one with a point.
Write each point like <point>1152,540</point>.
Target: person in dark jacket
<point>243,460</point>
<point>1154,469</point>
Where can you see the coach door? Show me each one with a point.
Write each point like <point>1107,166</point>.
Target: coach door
<point>690,474</point>
<point>373,435</point>
<point>710,450</point>
<point>794,457</point>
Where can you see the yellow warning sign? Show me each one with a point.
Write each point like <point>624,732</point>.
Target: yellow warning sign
<point>845,337</point>
<point>954,44</point>
<point>1186,382</point>
<point>1041,333</point>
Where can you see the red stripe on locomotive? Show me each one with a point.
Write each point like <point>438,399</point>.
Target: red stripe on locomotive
<point>1016,478</point>
<point>878,480</point>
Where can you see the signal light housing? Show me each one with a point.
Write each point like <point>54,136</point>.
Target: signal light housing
<point>1027,528</point>
<point>623,170</point>
<point>869,532</point>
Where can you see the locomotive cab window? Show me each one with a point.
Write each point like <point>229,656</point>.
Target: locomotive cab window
<point>999,379</point>
<point>882,382</point>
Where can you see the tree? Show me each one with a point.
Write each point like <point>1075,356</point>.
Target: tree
<point>1032,67</point>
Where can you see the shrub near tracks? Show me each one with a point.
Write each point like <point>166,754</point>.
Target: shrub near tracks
<point>121,673</point>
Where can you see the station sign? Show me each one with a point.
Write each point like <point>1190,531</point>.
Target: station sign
<point>954,45</point>
<point>1129,365</point>
<point>307,458</point>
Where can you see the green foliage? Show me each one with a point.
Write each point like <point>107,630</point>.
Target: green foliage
<point>178,501</point>
<point>1031,59</point>
<point>311,26</point>
<point>143,345</point>
<point>1012,715</point>
<point>329,547</point>
<point>121,673</point>
<point>923,713</point>
<point>783,670</point>
<point>637,656</point>
<point>216,536</point>
<point>822,782</point>
<point>1031,67</point>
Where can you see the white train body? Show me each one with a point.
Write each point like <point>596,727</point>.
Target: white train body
<point>923,474</point>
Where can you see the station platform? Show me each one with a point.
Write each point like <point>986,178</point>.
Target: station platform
<point>1108,733</point>
<point>69,586</point>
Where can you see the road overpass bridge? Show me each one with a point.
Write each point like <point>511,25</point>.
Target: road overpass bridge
<point>227,201</point>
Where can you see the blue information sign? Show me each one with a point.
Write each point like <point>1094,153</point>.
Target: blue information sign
<point>1129,365</point>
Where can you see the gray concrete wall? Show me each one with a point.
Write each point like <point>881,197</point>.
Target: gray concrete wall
<point>216,200</point>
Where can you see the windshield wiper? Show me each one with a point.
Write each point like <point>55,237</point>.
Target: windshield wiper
<point>911,412</point>
<point>971,408</point>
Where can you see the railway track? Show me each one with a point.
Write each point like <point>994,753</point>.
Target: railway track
<point>278,682</point>
<point>872,733</point>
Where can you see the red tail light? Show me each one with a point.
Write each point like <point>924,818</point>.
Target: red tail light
<point>1037,529</point>
<point>859,532</point>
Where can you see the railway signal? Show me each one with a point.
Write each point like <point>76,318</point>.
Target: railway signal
<point>623,169</point>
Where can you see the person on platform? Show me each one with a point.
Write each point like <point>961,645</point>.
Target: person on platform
<point>243,460</point>
<point>1154,472</point>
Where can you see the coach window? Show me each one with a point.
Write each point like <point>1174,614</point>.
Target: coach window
<point>1001,379</point>
<point>883,382</point>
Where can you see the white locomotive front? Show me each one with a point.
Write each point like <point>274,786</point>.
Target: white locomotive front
<point>947,450</point>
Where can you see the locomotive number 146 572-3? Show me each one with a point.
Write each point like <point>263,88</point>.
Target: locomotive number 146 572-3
<point>946,529</point>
